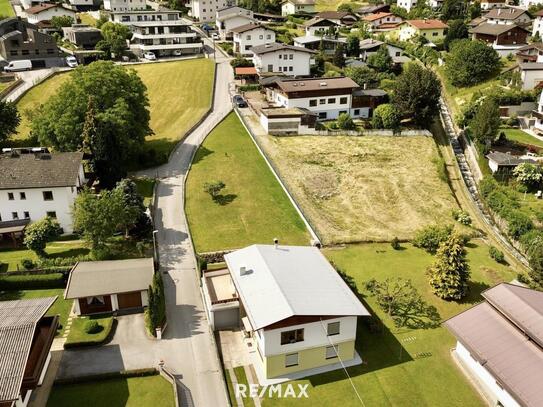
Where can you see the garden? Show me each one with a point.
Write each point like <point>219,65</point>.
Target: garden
<point>90,331</point>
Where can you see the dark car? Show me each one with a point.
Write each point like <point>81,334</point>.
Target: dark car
<point>239,101</point>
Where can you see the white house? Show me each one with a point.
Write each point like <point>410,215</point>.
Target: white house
<point>287,59</point>
<point>381,21</point>
<point>499,345</point>
<point>297,7</point>
<point>251,35</point>
<point>490,4</point>
<point>292,304</point>
<point>46,11</point>
<point>319,26</point>
<point>85,5</point>
<point>314,42</point>
<point>232,17</point>
<point>407,4</point>
<point>124,5</point>
<point>538,125</point>
<point>205,10</point>
<point>526,4</point>
<point>538,24</point>
<point>35,183</point>
<point>138,16</point>
<point>370,46</point>
<point>507,15</point>
<point>531,74</point>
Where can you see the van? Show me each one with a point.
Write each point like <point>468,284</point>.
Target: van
<point>22,65</point>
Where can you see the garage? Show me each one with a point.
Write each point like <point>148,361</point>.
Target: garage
<point>129,300</point>
<point>226,318</point>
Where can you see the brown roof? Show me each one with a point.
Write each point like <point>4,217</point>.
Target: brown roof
<point>245,70</point>
<point>41,7</point>
<point>39,170</point>
<point>376,16</point>
<point>508,13</point>
<point>307,85</point>
<point>494,29</point>
<point>335,15</point>
<point>514,360</point>
<point>427,24</point>
<point>316,20</point>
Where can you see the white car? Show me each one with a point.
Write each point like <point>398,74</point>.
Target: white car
<point>71,62</point>
<point>215,36</point>
<point>150,56</point>
<point>177,53</point>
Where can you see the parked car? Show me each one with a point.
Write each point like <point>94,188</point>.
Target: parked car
<point>22,65</point>
<point>239,101</point>
<point>71,61</point>
<point>177,53</point>
<point>215,36</point>
<point>150,56</point>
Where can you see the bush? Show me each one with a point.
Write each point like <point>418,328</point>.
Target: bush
<point>496,254</point>
<point>92,327</point>
<point>345,122</point>
<point>385,116</point>
<point>430,237</point>
<point>462,217</point>
<point>39,233</point>
<point>395,243</point>
<point>28,264</point>
<point>31,282</point>
<point>518,224</point>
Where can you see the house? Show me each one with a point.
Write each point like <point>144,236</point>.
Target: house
<point>26,336</point>
<point>370,46</point>
<point>436,4</point>
<point>500,345</point>
<point>327,97</point>
<point>490,4</point>
<point>251,35</point>
<point>21,40</point>
<point>297,311</point>
<point>35,183</point>
<point>46,11</point>
<point>124,5</point>
<point>531,74</point>
<point>165,37</point>
<point>526,4</point>
<point>232,17</point>
<point>530,53</point>
<point>383,21</point>
<point>504,38</point>
<point>297,7</point>
<point>537,28</point>
<point>287,59</point>
<point>432,30</point>
<point>85,5</point>
<point>509,15</point>
<point>111,285</point>
<point>538,115</point>
<point>282,121</point>
<point>137,16</point>
<point>313,42</point>
<point>372,9</point>
<point>342,18</point>
<point>83,36</point>
<point>205,10</point>
<point>320,26</point>
<point>407,4</point>
<point>504,163</point>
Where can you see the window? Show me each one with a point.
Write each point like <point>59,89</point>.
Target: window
<point>51,214</point>
<point>291,56</point>
<point>27,214</point>
<point>356,112</point>
<point>434,34</point>
<point>13,52</point>
<point>260,37</point>
<point>343,101</point>
<point>37,51</point>
<point>25,52</point>
<point>47,195</point>
<point>331,352</point>
<point>342,112</point>
<point>248,37</point>
<point>313,102</point>
<point>10,196</point>
<point>296,335</point>
<point>22,195</point>
<point>14,215</point>
<point>268,37</point>
<point>50,51</point>
<point>332,100</point>
<point>322,115</point>
<point>98,300</point>
<point>280,56</point>
<point>290,68</point>
<point>333,328</point>
<point>291,360</point>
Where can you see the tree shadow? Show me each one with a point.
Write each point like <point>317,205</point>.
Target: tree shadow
<point>224,199</point>
<point>75,252</point>
<point>418,315</point>
<point>11,295</point>
<point>202,153</point>
<point>3,267</point>
<point>474,293</point>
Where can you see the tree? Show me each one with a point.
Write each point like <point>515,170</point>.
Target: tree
<point>39,233</point>
<point>348,7</point>
<point>416,94</point>
<point>535,257</point>
<point>458,30</point>
<point>115,36</point>
<point>385,116</point>
<point>362,75</point>
<point>528,174</point>
<point>453,10</point>
<point>132,203</point>
<point>353,45</point>
<point>214,188</point>
<point>430,237</point>
<point>9,119</point>
<point>474,10</point>
<point>62,21</point>
<point>345,122</point>
<point>449,274</point>
<point>111,100</point>
<point>240,62</point>
<point>486,122</point>
<point>381,60</point>
<point>339,57</point>
<point>470,62</point>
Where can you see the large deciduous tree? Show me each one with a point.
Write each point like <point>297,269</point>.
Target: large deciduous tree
<point>114,38</point>
<point>381,60</point>
<point>416,94</point>
<point>470,62</point>
<point>9,119</point>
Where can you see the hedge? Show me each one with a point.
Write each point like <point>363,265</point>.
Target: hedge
<point>30,282</point>
<point>123,374</point>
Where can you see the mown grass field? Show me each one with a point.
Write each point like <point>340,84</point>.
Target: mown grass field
<point>5,9</point>
<point>522,137</point>
<point>150,391</point>
<point>179,94</point>
<point>251,209</point>
<point>371,188</point>
<point>403,366</point>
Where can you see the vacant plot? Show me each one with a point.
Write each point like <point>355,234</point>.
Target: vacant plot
<point>252,208</point>
<point>403,366</point>
<point>364,188</point>
<point>150,391</point>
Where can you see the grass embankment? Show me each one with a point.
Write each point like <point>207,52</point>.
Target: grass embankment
<point>326,5</point>
<point>251,209</point>
<point>407,366</point>
<point>369,188</point>
<point>149,391</point>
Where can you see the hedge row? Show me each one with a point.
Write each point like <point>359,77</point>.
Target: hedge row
<point>30,282</point>
<point>123,374</point>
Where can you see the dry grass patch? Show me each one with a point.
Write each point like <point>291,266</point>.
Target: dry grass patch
<point>364,188</point>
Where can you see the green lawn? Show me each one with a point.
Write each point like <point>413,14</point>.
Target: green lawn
<point>242,379</point>
<point>150,391</point>
<point>522,137</point>
<point>251,209</point>
<point>426,374</point>
<point>77,331</point>
<point>145,187</point>
<point>5,9</point>
<point>61,306</point>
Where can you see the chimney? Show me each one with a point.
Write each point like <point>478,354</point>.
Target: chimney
<point>276,242</point>
<point>242,270</point>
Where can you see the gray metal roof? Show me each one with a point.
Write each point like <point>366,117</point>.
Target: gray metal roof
<point>308,39</point>
<point>90,278</point>
<point>510,356</point>
<point>286,281</point>
<point>506,159</point>
<point>41,170</point>
<point>18,321</point>
<point>275,46</point>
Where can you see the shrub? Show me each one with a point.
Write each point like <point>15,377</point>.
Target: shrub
<point>496,254</point>
<point>430,237</point>
<point>28,264</point>
<point>345,122</point>
<point>39,233</point>
<point>462,217</point>
<point>518,224</point>
<point>385,116</point>
<point>395,243</point>
<point>214,188</point>
<point>92,327</point>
